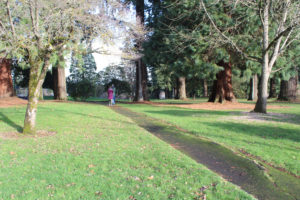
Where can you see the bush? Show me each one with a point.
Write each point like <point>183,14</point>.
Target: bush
<point>81,89</point>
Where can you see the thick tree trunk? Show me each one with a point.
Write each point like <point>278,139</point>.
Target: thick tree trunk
<point>182,88</point>
<point>59,78</point>
<point>6,84</point>
<point>205,91</point>
<point>288,89</point>
<point>261,104</point>
<point>253,93</point>
<point>272,93</point>
<point>60,88</point>
<point>33,97</point>
<point>222,87</point>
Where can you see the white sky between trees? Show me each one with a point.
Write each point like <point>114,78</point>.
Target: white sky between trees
<point>105,60</point>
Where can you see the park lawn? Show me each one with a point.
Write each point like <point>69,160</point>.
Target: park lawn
<point>276,141</point>
<point>179,101</point>
<point>98,154</point>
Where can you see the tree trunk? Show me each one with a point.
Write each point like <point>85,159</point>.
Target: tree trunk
<point>261,104</point>
<point>36,79</point>
<point>205,91</point>
<point>141,93</point>
<point>253,88</point>
<point>288,89</point>
<point>33,96</point>
<point>6,84</point>
<point>144,81</point>
<point>182,88</point>
<point>222,87</point>
<point>59,78</point>
<point>176,89</point>
<point>138,88</point>
<point>272,93</point>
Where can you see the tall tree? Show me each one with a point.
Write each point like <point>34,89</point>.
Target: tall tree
<point>141,92</point>
<point>59,79</point>
<point>6,84</point>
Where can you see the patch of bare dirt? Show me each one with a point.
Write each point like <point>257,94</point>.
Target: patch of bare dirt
<point>11,102</point>
<point>217,106</point>
<point>16,135</point>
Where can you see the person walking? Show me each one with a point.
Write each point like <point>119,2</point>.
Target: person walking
<point>110,95</point>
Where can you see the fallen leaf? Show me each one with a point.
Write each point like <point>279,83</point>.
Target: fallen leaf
<point>150,177</point>
<point>91,166</point>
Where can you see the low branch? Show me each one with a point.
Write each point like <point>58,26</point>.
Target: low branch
<point>12,26</point>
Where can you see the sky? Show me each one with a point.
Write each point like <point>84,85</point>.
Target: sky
<point>104,60</point>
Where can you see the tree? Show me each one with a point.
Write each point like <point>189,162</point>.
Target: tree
<point>278,28</point>
<point>83,77</point>
<point>38,29</point>
<point>141,93</point>
<point>6,84</point>
<point>59,79</point>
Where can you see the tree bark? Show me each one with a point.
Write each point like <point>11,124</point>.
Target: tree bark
<point>6,84</point>
<point>272,93</point>
<point>261,104</point>
<point>288,89</point>
<point>144,81</point>
<point>222,87</point>
<point>141,93</point>
<point>182,88</point>
<point>59,78</point>
<point>253,93</point>
<point>205,91</point>
<point>138,89</point>
<point>36,79</point>
<point>33,97</point>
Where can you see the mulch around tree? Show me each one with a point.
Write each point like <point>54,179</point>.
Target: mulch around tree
<point>12,102</point>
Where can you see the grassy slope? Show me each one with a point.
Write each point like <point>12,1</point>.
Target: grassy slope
<point>278,143</point>
<point>97,154</point>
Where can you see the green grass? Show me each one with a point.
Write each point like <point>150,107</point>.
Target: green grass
<point>97,154</point>
<point>276,140</point>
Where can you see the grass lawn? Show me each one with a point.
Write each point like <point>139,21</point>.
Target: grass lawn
<point>275,140</point>
<point>178,101</point>
<point>98,154</point>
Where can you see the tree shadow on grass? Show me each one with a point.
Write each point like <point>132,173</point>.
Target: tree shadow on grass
<point>260,130</point>
<point>11,123</point>
<point>268,131</point>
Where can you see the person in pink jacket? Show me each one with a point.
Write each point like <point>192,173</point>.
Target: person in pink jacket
<point>110,94</point>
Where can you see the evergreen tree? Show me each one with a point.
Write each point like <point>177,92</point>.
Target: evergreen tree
<point>83,77</point>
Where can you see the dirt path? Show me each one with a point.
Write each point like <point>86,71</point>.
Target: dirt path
<point>248,174</point>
